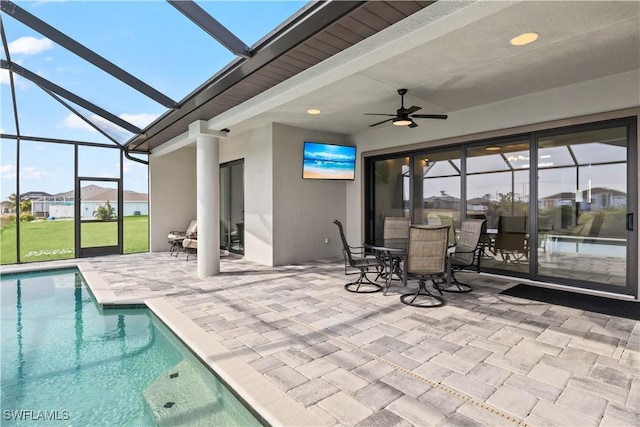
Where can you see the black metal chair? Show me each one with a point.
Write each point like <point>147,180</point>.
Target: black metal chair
<point>467,250</point>
<point>355,257</point>
<point>426,260</point>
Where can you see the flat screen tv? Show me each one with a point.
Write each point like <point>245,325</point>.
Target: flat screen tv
<point>328,161</point>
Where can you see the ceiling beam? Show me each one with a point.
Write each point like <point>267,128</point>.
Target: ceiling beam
<point>47,85</point>
<point>212,27</point>
<point>83,52</point>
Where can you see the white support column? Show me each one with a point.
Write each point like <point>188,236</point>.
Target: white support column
<point>208,197</point>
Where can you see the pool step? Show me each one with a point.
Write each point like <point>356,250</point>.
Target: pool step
<point>181,397</point>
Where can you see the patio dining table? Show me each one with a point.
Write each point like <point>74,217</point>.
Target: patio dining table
<point>392,252</point>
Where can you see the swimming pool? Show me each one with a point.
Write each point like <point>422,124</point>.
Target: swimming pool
<point>67,362</point>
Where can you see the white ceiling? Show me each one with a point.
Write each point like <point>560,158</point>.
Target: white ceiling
<point>453,56</point>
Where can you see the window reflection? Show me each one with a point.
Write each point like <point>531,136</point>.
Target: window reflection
<point>498,191</point>
<point>391,198</point>
<point>582,206</point>
<point>437,189</point>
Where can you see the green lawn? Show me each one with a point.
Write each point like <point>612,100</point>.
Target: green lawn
<point>50,240</point>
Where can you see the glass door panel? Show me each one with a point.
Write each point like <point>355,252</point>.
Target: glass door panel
<point>390,192</point>
<point>437,189</point>
<point>236,215</point>
<point>582,207</point>
<point>498,191</point>
<point>232,206</point>
<point>100,217</point>
<point>225,180</point>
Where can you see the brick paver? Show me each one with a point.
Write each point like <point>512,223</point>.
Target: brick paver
<point>366,359</point>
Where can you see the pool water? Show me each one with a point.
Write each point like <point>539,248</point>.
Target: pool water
<point>65,361</point>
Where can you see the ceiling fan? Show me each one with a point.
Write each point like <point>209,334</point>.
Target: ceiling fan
<point>405,116</point>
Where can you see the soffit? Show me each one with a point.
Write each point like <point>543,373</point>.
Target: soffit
<point>208,101</point>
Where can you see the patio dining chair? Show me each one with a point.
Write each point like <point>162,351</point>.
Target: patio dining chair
<point>467,250</point>
<point>396,227</point>
<point>426,260</point>
<point>355,257</point>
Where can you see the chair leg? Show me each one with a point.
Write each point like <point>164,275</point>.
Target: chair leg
<point>455,286</point>
<point>369,286</point>
<point>429,300</point>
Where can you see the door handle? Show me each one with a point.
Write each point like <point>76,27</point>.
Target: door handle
<point>630,221</point>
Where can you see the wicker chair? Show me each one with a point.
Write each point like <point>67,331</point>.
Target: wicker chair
<point>426,259</point>
<point>467,250</point>
<point>362,263</point>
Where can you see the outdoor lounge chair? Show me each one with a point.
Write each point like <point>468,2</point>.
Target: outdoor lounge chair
<point>190,244</point>
<point>426,260</point>
<point>364,264</point>
<point>175,238</point>
<point>467,250</point>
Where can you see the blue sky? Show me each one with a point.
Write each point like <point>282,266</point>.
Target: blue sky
<point>149,39</point>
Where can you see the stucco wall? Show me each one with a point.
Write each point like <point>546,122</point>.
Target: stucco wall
<point>304,209</point>
<point>172,195</point>
<point>255,147</point>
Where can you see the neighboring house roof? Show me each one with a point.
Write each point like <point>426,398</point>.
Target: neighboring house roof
<point>34,195</point>
<point>596,190</point>
<point>112,196</point>
<point>95,193</point>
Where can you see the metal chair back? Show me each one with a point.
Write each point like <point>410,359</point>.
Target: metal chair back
<point>427,250</point>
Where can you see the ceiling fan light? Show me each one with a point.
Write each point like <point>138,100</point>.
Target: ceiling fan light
<point>524,39</point>
<point>402,122</point>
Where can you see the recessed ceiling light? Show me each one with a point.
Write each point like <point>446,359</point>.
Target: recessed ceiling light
<point>492,148</point>
<point>313,111</point>
<point>524,39</point>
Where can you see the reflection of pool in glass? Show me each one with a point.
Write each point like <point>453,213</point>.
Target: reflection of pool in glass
<point>65,361</point>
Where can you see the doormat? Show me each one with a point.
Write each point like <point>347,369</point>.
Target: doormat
<point>595,304</point>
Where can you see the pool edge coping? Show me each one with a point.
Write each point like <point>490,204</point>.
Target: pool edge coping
<point>271,403</point>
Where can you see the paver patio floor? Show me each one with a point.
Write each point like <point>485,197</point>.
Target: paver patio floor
<point>369,360</point>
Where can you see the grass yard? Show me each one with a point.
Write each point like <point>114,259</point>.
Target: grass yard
<point>51,240</point>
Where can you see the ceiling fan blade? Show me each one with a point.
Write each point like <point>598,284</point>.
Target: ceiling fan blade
<point>379,123</point>
<point>413,109</point>
<point>413,124</point>
<point>379,114</point>
<point>430,116</point>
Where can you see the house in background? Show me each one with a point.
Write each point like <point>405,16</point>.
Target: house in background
<point>93,196</point>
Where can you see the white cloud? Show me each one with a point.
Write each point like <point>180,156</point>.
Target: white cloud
<point>8,171</point>
<point>30,45</point>
<point>141,120</point>
<point>72,121</point>
<point>31,172</point>
<point>4,77</point>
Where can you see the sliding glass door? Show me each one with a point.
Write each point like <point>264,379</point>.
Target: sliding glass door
<point>498,191</point>
<point>583,206</point>
<point>559,204</point>
<point>390,196</point>
<point>232,206</point>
